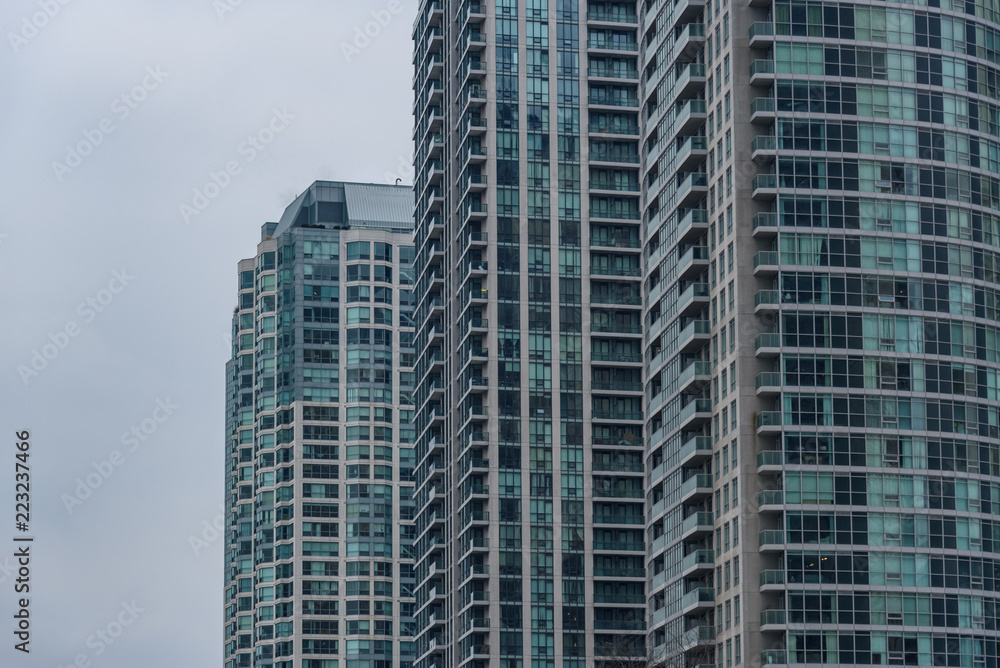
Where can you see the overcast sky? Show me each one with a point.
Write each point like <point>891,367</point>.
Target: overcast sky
<point>113,114</point>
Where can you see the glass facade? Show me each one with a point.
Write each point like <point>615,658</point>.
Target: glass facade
<point>703,361</point>
<point>820,197</point>
<point>319,456</point>
<point>530,541</point>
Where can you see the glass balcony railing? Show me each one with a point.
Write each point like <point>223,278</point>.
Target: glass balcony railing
<point>765,259</point>
<point>772,617</point>
<point>612,16</point>
<point>768,379</point>
<point>698,558</point>
<point>772,577</point>
<point>761,29</point>
<point>765,297</point>
<point>699,595</point>
<point>763,143</point>
<point>696,406</point>
<point>767,340</point>
<point>698,635</point>
<point>769,419</point>
<point>696,368</point>
<point>765,219</point>
<point>761,67</point>
<point>696,520</point>
<point>765,181</point>
<point>762,105</point>
<point>773,657</point>
<point>694,106</point>
<point>770,497</point>
<point>771,537</point>
<point>699,481</point>
<point>770,458</point>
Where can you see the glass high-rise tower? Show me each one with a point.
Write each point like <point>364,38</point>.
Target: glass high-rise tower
<point>319,424</point>
<point>821,199</point>
<point>810,193</point>
<point>530,439</point>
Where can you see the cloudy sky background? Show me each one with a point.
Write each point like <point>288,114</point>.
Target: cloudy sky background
<point>164,336</point>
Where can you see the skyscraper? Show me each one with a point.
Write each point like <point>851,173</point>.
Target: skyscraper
<point>319,424</point>
<point>530,523</point>
<point>820,206</point>
<point>819,434</point>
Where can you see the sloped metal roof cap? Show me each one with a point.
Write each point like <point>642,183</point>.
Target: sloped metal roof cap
<point>370,205</point>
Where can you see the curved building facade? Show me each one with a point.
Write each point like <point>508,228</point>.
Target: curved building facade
<point>823,230</point>
<point>879,433</point>
<point>319,422</point>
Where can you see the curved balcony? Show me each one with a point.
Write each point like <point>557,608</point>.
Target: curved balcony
<point>685,10</point>
<point>694,451</point>
<point>691,79</point>
<point>697,637</point>
<point>693,224</point>
<point>694,335</point>
<point>693,299</point>
<point>689,42</point>
<point>693,262</point>
<point>692,187</point>
<point>696,487</point>
<point>690,115</point>
<point>702,598</point>
<point>697,525</point>
<point>695,414</point>
<point>697,562</point>
<point>691,153</point>
<point>695,377</point>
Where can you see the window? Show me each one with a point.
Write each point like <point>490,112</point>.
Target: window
<point>359,250</point>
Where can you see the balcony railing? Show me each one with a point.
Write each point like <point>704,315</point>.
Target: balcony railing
<point>771,537</point>
<point>769,419</point>
<point>612,44</point>
<point>772,577</point>
<point>612,17</point>
<point>773,657</point>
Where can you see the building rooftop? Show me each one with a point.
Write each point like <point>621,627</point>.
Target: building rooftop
<point>338,204</point>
